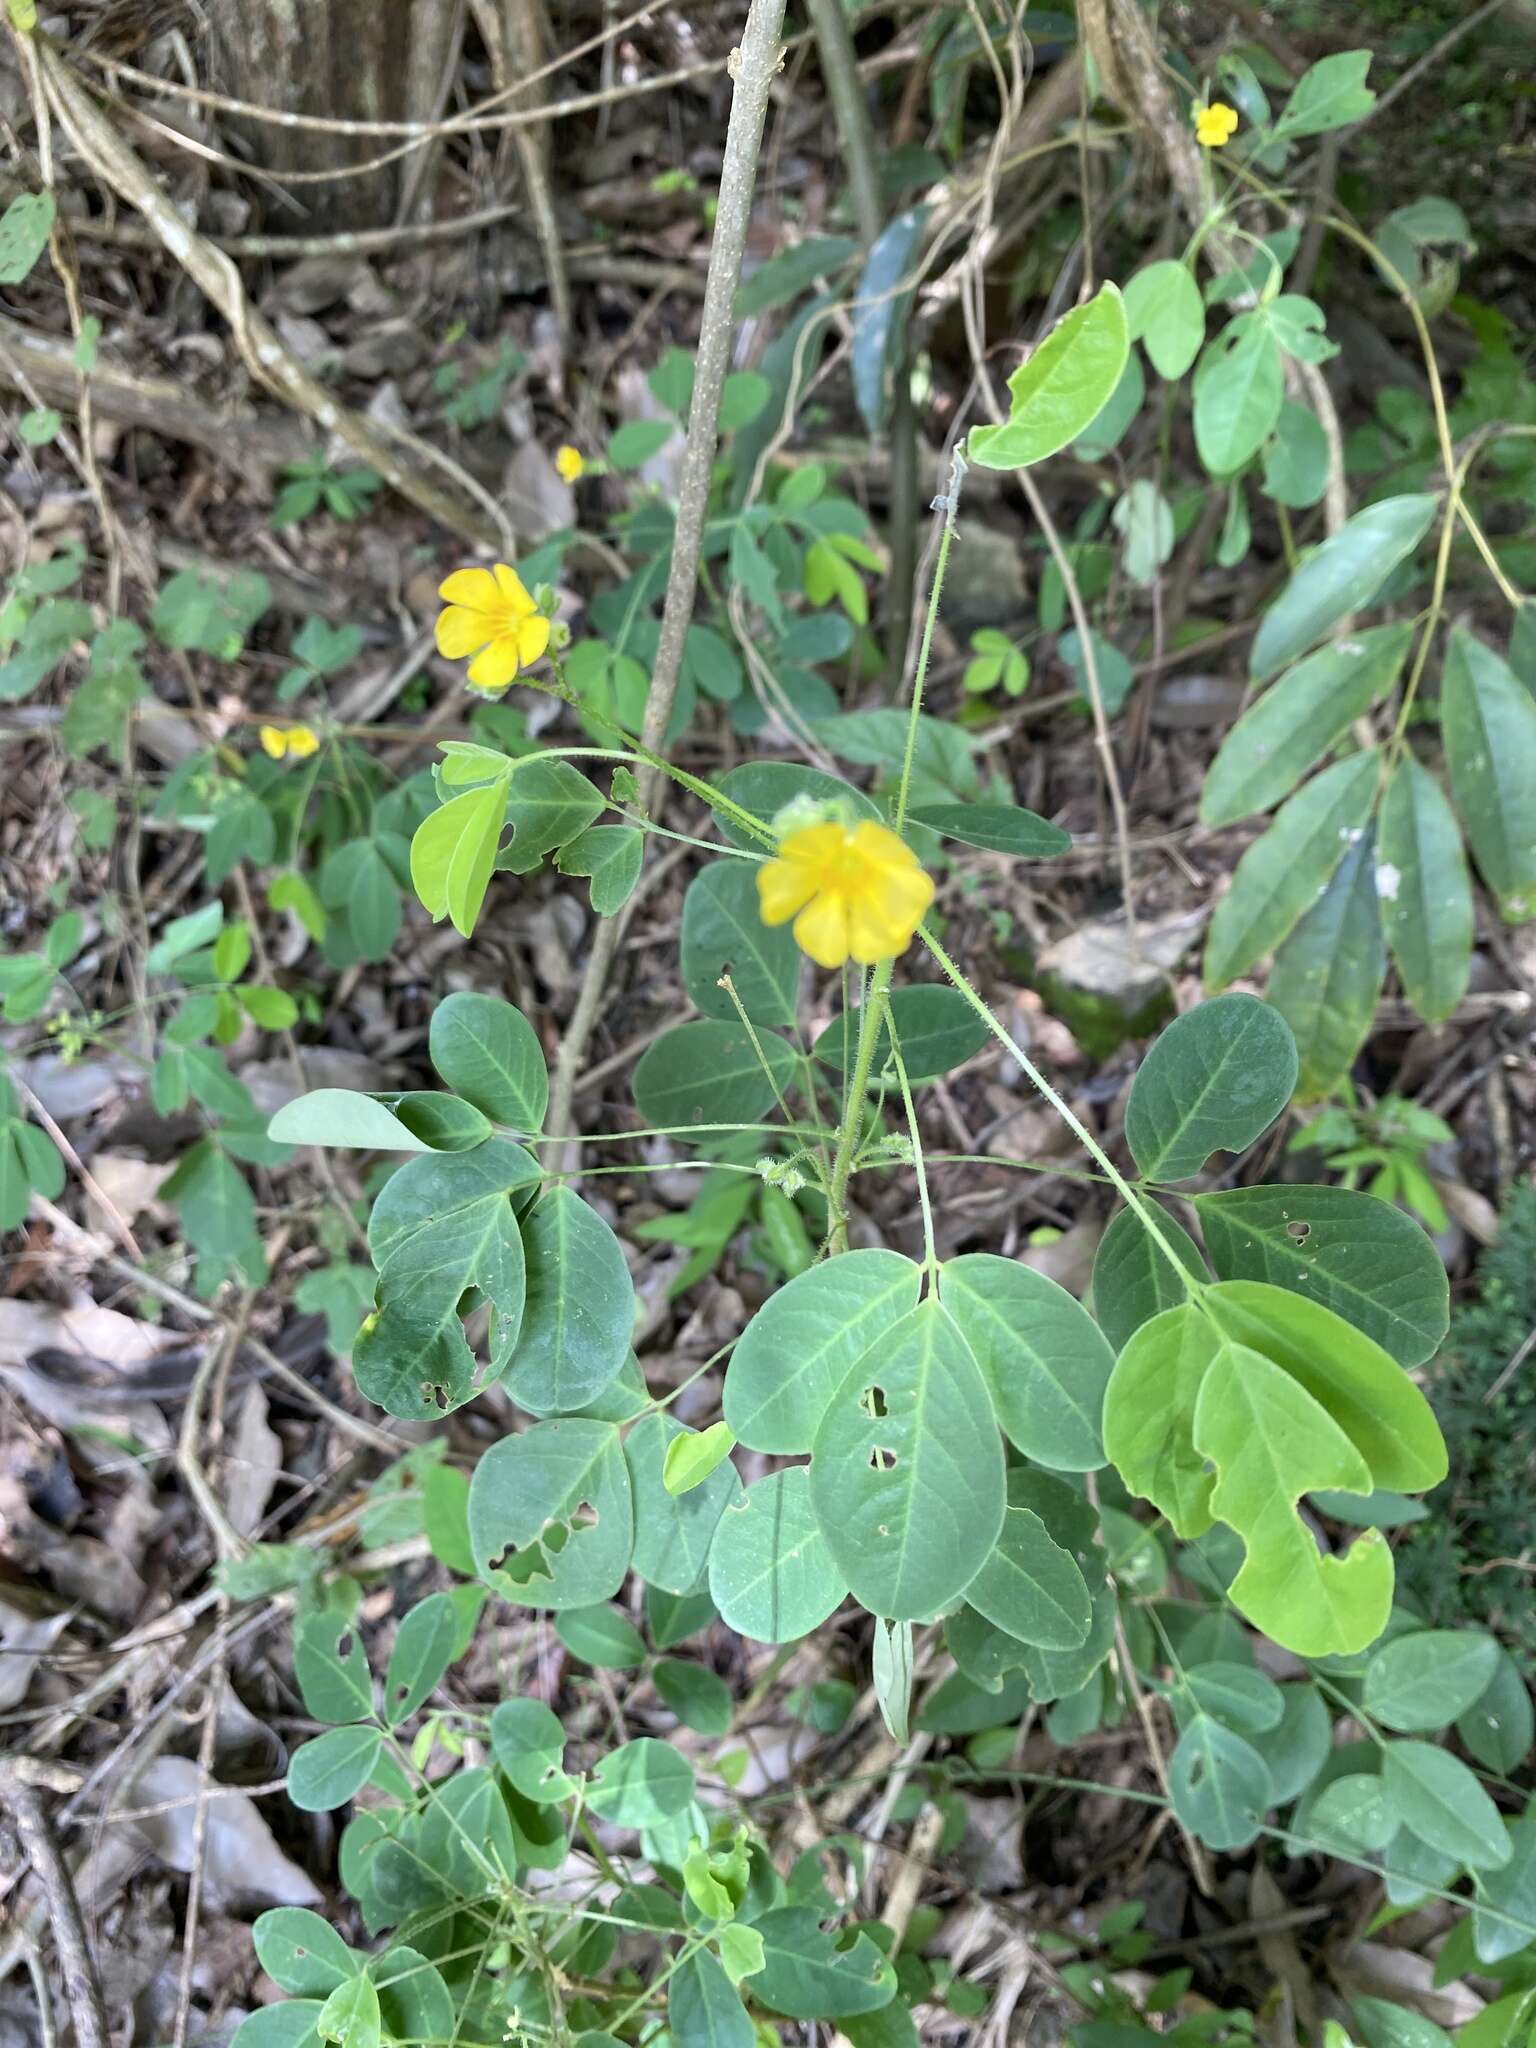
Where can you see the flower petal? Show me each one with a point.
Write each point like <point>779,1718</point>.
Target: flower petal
<point>880,845</point>
<point>302,743</point>
<point>532,638</point>
<point>818,847</point>
<point>473,587</point>
<point>274,741</point>
<point>821,929</point>
<point>784,887</point>
<point>512,593</point>
<point>496,666</point>
<point>461,632</point>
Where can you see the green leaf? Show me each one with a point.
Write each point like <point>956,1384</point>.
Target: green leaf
<point>442,1122</point>
<point>1297,1748</point>
<point>1044,1359</point>
<point>634,443</point>
<point>342,1118</point>
<point>1421,1682</point>
<point>764,788</point>
<point>1216,1079</point>
<point>1488,718</point>
<point>881,311</point>
<point>350,2016</point>
<point>1299,718</point>
<point>937,1029</point>
<point>551,1519</point>
<point>1001,828</point>
<point>1238,391</point>
<point>1296,460</point>
<point>300,1952</point>
<point>700,1699</point>
<point>579,1314</point>
<point>24,230</point>
<point>693,1455</point>
<point>335,1686</point>
<point>771,1574</point>
<point>488,1052</point>
<point>1149,1408</point>
<point>453,853</point>
<point>549,804</point>
<point>211,614</point>
<point>800,1346</point>
<point>1030,1587</point>
<point>1059,390</point>
<point>1327,973</point>
<point>1510,1891</point>
<point>1219,1784</point>
<point>907,1472</point>
<point>602,1637</point>
<point>1328,94</point>
<point>704,2009</point>
<point>1499,1726</point>
<point>424,1645</point>
<point>640,1784</point>
<point>1166,314</point>
<point>611,856</point>
<point>329,1770</point>
<point>528,1742</point>
<point>47,637</point>
<point>1358,1255</point>
<point>1241,1699</point>
<point>806,1975</point>
<point>1372,1399</point>
<point>1285,871</point>
<point>673,1532</point>
<point>1133,1280</point>
<point>1425,891</point>
<point>723,933</point>
<point>1341,576</point>
<point>1438,1799</point>
<point>786,275</point>
<point>943,769</point>
<point>710,1072</point>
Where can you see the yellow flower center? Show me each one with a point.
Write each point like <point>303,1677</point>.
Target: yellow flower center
<point>570,462</point>
<point>855,892</point>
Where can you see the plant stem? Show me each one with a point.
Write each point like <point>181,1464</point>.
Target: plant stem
<point>754,65</point>
<point>951,506</point>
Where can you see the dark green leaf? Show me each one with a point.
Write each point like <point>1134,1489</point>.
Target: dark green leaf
<point>1328,972</point>
<point>1342,576</point>
<point>1216,1079</point>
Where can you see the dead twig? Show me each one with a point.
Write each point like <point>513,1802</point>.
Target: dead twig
<point>23,1780</point>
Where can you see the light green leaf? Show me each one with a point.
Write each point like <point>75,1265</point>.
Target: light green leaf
<point>771,1573</point>
<point>611,855</point>
<point>724,933</point>
<point>641,1783</point>
<point>1340,577</point>
<point>1285,871</point>
<point>1044,1359</point>
<point>806,1975</point>
<point>907,1469</point>
<point>1489,721</point>
<point>24,230</point>
<point>709,1072</point>
<point>1425,891</point>
<point>1001,828</point>
<point>1059,390</point>
<point>891,1676</point>
<point>674,1531</point>
<point>350,2016</point>
<point>327,1771</point>
<point>1356,1254</point>
<point>1219,1784</point>
<point>1239,386</point>
<point>1438,1799</point>
<point>1149,1411</point>
<point>1214,1080</point>
<point>1327,973</point>
<point>1270,1443</point>
<point>1030,1587</point>
<point>1301,717</point>
<point>579,1314</point>
<point>300,1952</point>
<point>551,1519</point>
<point>1133,1280</point>
<point>800,1346</point>
<point>1363,1390</point>
<point>1329,94</point>
<point>693,1455</point>
<point>453,852</point>
<point>528,1741</point>
<point>1420,1682</point>
<point>345,1119</point>
<point>1166,314</point>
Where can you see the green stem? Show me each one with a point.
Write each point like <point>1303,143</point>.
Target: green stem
<point>854,1108</point>
<point>946,540</point>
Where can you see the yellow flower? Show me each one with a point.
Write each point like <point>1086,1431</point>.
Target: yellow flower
<point>491,616</point>
<point>1215,124</point>
<point>855,892</point>
<point>298,742</point>
<point>570,462</point>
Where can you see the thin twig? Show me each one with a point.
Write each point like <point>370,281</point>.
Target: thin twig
<point>22,1782</point>
<point>753,67</point>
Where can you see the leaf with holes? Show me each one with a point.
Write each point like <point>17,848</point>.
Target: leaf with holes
<point>907,1469</point>
<point>1214,1080</point>
<point>580,1310</point>
<point>809,1974</point>
<point>551,1519</point>
<point>1044,1359</point>
<point>528,1743</point>
<point>424,1646</point>
<point>1219,1784</point>
<point>1030,1587</point>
